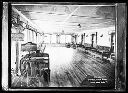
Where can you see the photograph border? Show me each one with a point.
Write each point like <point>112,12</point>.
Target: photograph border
<point>121,28</point>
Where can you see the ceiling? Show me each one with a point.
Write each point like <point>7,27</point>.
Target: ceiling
<point>68,18</point>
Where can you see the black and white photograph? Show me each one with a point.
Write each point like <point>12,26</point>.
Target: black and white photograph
<point>63,45</point>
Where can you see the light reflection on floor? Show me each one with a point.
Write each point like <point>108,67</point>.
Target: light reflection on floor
<point>69,67</point>
<point>59,56</point>
<point>71,60</point>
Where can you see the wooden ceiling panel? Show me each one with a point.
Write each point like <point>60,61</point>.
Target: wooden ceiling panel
<point>69,16</point>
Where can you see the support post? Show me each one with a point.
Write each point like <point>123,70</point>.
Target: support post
<point>81,39</point>
<point>59,39</point>
<point>112,42</point>
<point>92,39</point>
<point>17,49</point>
<point>77,39</point>
<point>17,57</point>
<point>32,36</point>
<point>36,37</point>
<point>84,39</point>
<point>96,38</point>
<point>71,38</point>
<point>27,35</point>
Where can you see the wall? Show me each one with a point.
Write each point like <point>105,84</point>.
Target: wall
<point>53,39</point>
<point>13,48</point>
<point>46,38</point>
<point>78,39</point>
<point>28,37</point>
<point>103,37</point>
<point>88,37</point>
<point>68,38</point>
<point>62,39</point>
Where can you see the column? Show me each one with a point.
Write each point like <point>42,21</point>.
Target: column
<point>84,39</point>
<point>96,38</point>
<point>40,38</point>
<point>36,38</point>
<point>92,40</point>
<point>27,35</point>
<point>32,36</point>
<point>112,42</point>
<point>57,36</point>
<point>17,57</point>
<point>81,39</point>
<point>76,39</point>
<point>72,38</point>
<point>43,38</point>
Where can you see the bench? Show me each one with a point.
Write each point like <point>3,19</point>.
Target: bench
<point>98,51</point>
<point>105,51</point>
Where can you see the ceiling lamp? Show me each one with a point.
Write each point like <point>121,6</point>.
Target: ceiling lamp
<point>101,35</point>
<point>79,25</point>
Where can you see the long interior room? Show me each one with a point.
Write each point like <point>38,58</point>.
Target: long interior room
<point>62,45</point>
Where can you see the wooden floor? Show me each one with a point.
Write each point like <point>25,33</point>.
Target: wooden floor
<point>71,67</point>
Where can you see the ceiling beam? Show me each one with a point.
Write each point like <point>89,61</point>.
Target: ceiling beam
<point>40,12</point>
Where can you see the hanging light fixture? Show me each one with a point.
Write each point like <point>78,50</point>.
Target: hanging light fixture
<point>101,35</point>
<point>79,25</point>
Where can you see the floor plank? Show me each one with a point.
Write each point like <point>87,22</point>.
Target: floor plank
<point>72,67</point>
<point>77,68</point>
